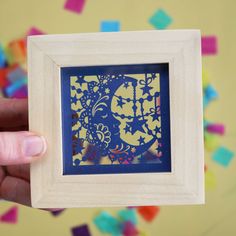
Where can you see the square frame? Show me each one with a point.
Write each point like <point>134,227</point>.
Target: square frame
<point>181,49</point>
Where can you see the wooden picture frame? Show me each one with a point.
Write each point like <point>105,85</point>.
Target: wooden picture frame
<point>52,62</point>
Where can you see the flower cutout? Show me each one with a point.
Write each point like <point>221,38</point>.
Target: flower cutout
<point>103,133</point>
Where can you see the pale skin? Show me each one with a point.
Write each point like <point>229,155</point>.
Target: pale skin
<point>18,148</point>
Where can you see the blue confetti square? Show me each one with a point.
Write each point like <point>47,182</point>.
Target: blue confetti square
<point>110,26</point>
<point>223,156</point>
<point>2,57</point>
<point>160,19</point>
<point>211,93</point>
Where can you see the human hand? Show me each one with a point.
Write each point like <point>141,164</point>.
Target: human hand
<point>18,147</point>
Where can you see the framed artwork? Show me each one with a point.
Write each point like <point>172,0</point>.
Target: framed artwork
<point>122,116</point>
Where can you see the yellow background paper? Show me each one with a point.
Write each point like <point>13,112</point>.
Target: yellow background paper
<point>215,17</point>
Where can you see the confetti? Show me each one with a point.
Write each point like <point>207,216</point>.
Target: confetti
<point>2,57</point>
<point>11,216</point>
<point>75,6</point>
<point>57,213</point>
<point>205,123</point>
<point>160,19</point>
<point>211,93</point>
<point>211,141</point>
<point>148,212</point>
<point>206,101</point>
<point>34,31</point>
<point>21,93</point>
<point>205,79</point>
<point>110,26</point>
<point>107,223</point>
<point>216,129</point>
<point>210,180</point>
<point>223,156</point>
<point>16,51</point>
<point>128,215</point>
<point>82,230</point>
<point>209,45</point>
<point>129,229</point>
<point>12,88</point>
<point>3,77</point>
<point>16,74</point>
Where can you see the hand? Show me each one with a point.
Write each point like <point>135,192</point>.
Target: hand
<point>18,147</point>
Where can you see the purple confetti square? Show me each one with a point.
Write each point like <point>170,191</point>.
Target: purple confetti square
<point>75,5</point>
<point>81,230</point>
<point>57,213</point>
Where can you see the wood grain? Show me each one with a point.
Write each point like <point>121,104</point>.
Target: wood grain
<point>182,50</point>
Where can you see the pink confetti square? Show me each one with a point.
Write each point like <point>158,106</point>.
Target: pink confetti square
<point>10,216</point>
<point>34,31</point>
<point>209,45</point>
<point>216,129</point>
<point>75,5</point>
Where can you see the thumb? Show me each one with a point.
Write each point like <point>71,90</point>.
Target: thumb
<point>20,147</point>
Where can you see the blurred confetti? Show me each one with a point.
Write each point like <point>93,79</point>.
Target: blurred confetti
<point>223,156</point>
<point>75,6</point>
<point>82,230</point>
<point>11,216</point>
<point>110,26</point>
<point>160,19</point>
<point>148,212</point>
<point>209,45</point>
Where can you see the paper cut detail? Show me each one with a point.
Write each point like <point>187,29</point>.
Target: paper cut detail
<point>114,118</point>
<point>118,115</point>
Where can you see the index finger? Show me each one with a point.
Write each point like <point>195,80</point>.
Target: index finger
<point>13,112</point>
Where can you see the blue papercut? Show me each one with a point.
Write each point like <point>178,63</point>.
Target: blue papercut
<point>113,120</point>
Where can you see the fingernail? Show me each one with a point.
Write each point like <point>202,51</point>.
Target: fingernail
<point>33,146</point>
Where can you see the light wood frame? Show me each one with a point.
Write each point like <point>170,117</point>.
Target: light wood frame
<point>182,50</point>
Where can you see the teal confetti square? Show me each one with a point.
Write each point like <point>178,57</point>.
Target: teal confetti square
<point>160,19</point>
<point>107,224</point>
<point>128,215</point>
<point>110,26</point>
<point>223,156</point>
